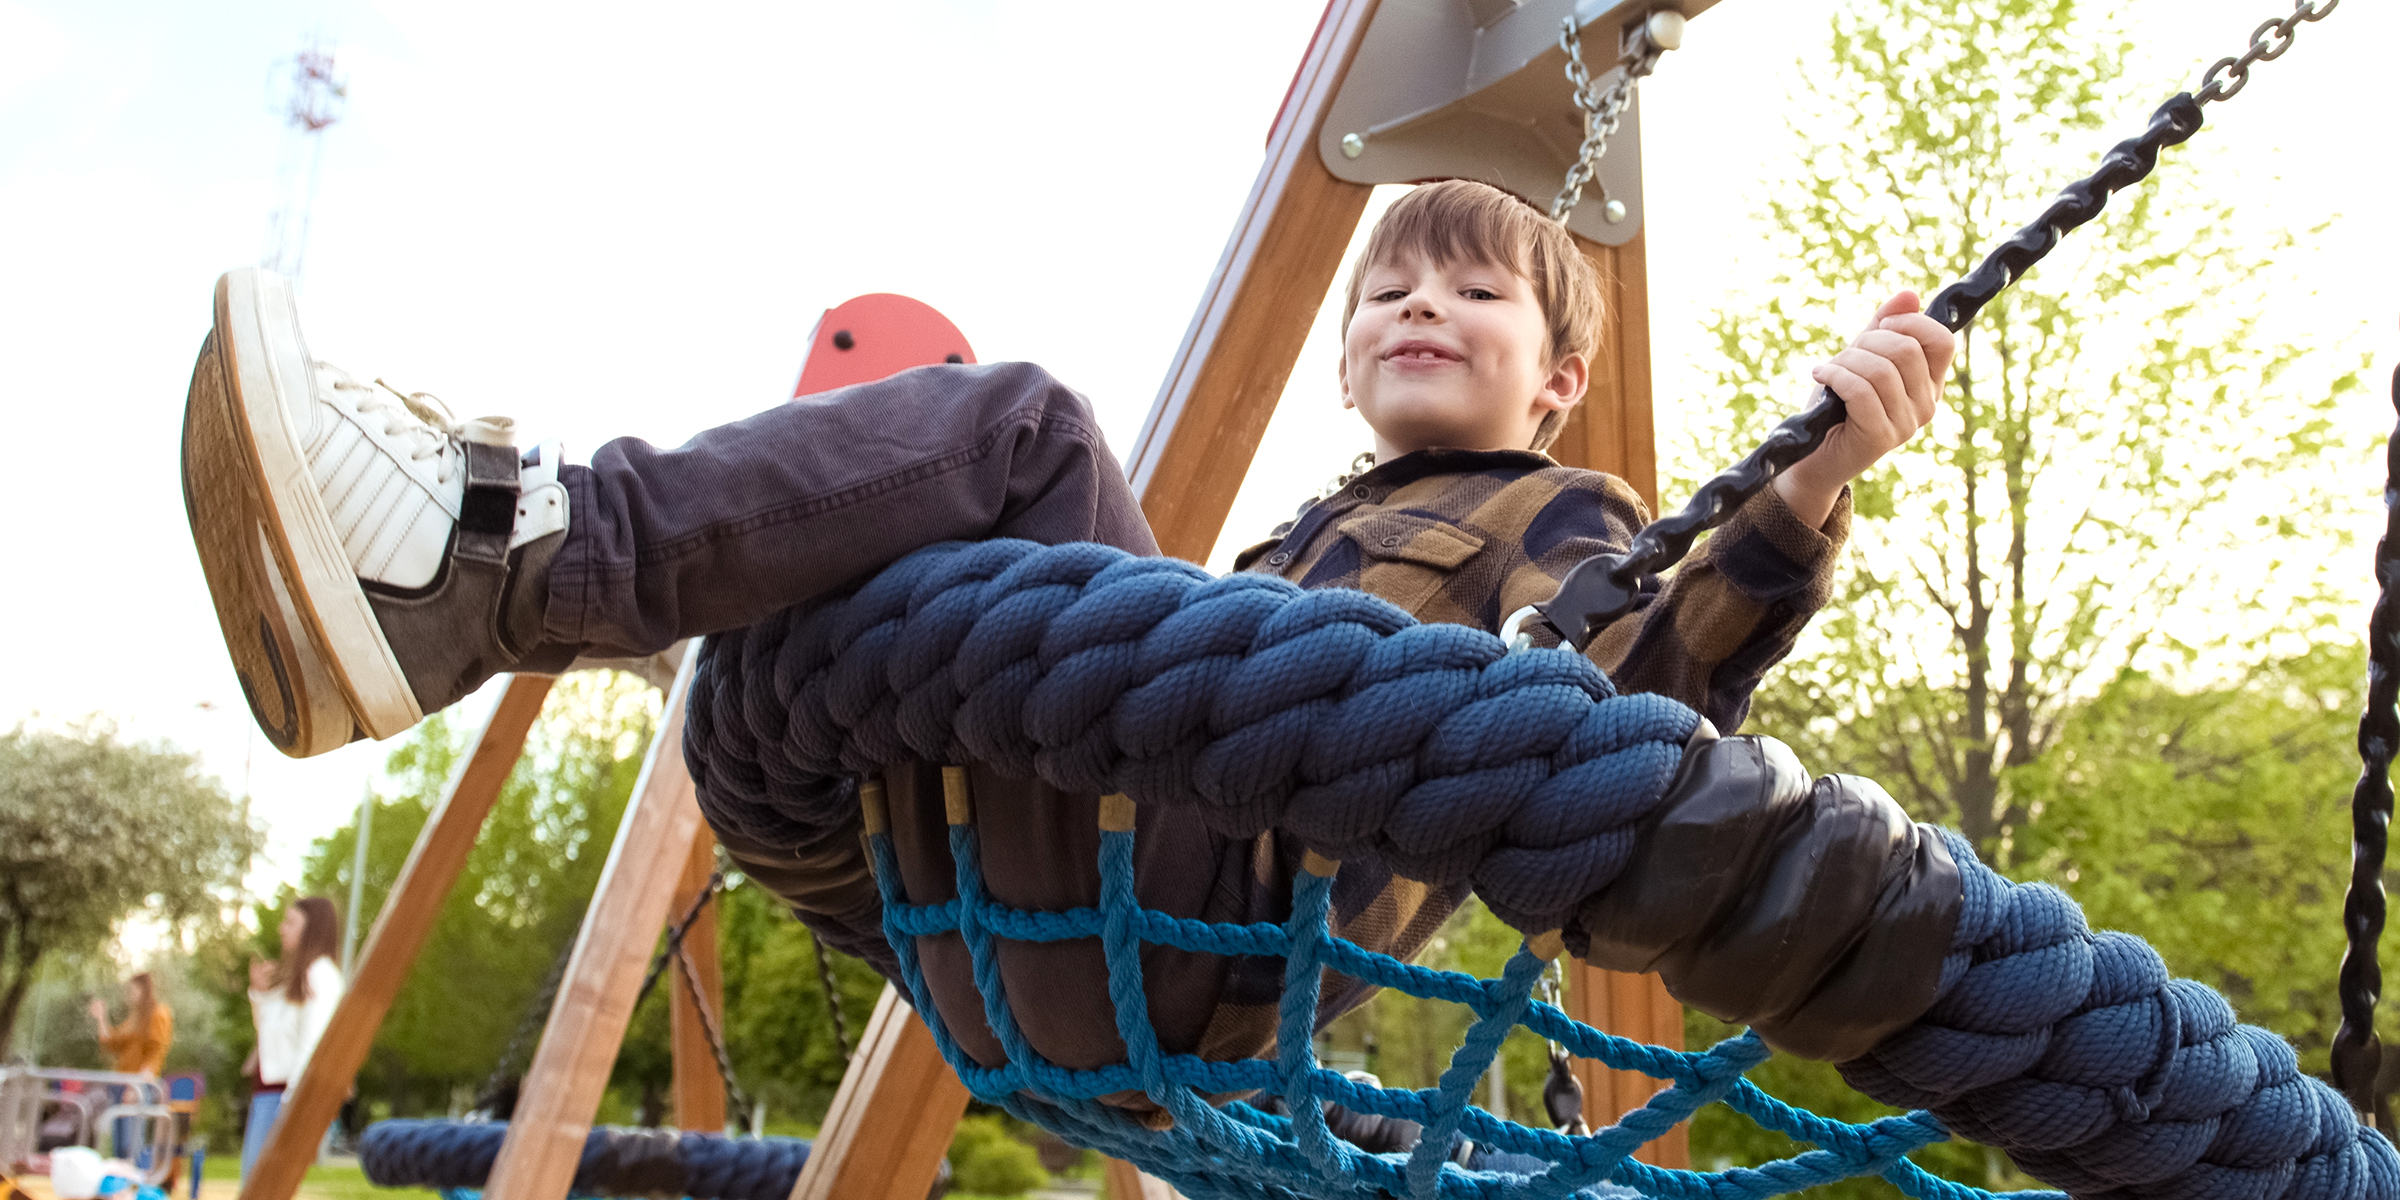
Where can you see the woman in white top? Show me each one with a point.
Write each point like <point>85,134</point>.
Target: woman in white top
<point>291,1002</point>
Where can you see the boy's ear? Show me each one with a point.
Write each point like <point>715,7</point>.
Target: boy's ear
<point>1341,371</point>
<point>1564,389</point>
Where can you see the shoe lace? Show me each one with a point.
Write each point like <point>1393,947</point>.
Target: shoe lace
<point>418,421</point>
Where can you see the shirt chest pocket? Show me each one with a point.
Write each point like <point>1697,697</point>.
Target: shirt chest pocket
<point>1406,559</point>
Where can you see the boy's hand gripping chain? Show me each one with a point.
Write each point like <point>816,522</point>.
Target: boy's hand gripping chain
<point>1604,587</point>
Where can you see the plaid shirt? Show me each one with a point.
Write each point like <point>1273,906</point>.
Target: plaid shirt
<point>1468,537</point>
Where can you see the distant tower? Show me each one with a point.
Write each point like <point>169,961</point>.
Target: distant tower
<point>310,101</point>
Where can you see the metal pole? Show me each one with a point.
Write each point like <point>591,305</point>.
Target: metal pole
<point>358,877</point>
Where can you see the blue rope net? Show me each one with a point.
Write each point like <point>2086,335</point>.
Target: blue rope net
<point>1333,715</point>
<point>1240,1151</point>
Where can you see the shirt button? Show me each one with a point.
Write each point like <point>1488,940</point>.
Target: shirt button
<point>1278,558</point>
<point>1360,492</point>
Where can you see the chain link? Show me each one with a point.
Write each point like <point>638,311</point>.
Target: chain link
<point>735,1097</point>
<point>1603,108</point>
<point>2228,76</point>
<point>537,1012</point>
<point>833,997</point>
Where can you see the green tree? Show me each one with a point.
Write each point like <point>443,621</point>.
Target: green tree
<point>779,1032</point>
<point>1407,1040</point>
<point>94,830</point>
<point>2212,821</point>
<point>2215,822</point>
<point>2119,437</point>
<point>519,898</point>
<point>2066,620</point>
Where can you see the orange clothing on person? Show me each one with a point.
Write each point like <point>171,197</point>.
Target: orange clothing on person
<point>140,1051</point>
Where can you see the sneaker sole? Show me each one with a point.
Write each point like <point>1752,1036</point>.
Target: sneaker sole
<point>305,642</point>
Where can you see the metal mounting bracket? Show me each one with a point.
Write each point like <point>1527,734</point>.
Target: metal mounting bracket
<point>1477,89</point>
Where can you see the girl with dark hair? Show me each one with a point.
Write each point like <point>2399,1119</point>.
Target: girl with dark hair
<point>291,1002</point>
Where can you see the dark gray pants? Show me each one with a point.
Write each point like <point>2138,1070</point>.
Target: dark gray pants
<point>753,517</point>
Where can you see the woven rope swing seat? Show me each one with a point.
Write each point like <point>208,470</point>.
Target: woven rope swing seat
<point>456,1158</point>
<point>1333,717</point>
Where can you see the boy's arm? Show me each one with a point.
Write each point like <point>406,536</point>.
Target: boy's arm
<point>1707,634</point>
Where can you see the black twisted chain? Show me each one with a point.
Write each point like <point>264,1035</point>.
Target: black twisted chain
<point>1603,587</point>
<point>675,932</point>
<point>672,954</point>
<point>537,1011</point>
<point>833,998</point>
<point>738,1099</point>
<point>2357,1052</point>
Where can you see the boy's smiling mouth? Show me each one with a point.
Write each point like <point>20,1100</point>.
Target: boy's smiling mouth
<point>1420,352</point>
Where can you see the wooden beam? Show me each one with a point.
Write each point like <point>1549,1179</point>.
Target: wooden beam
<point>1638,1007</point>
<point>1612,430</point>
<point>699,1090</point>
<point>1230,371</point>
<point>408,916</point>
<point>892,1119</point>
<point>1187,465</point>
<point>595,1000</point>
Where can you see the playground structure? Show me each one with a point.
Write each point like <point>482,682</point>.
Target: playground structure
<point>141,1119</point>
<point>891,1120</point>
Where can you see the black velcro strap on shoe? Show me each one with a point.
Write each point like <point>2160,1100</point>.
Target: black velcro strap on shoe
<point>488,514</point>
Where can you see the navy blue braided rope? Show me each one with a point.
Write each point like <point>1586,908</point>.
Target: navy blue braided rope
<point>1334,717</point>
<point>457,1156</point>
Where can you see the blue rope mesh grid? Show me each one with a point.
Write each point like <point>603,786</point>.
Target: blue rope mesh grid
<point>1333,716</point>
<point>1239,1151</point>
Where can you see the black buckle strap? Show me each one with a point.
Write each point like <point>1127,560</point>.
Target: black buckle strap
<point>487,516</point>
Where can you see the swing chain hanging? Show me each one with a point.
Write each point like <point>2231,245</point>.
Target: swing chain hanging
<point>2229,76</point>
<point>537,1013</point>
<point>672,954</point>
<point>833,997</point>
<point>1604,587</point>
<point>738,1099</point>
<point>2357,1052</point>
<point>1604,108</point>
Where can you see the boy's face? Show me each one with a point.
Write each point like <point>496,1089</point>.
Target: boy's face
<point>1453,356</point>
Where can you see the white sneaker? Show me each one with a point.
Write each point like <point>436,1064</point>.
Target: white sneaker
<point>372,559</point>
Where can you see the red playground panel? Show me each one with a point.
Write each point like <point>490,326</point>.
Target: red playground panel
<point>865,338</point>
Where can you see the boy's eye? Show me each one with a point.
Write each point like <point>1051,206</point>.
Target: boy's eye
<point>1476,293</point>
<point>1388,295</point>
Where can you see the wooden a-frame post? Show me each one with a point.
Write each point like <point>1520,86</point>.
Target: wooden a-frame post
<point>614,930</point>
<point>399,932</point>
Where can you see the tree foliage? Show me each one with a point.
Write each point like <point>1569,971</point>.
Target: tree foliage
<point>2085,616</point>
<point>2120,435</point>
<point>519,901</point>
<point>93,830</point>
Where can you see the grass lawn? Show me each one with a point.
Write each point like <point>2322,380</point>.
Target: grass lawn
<point>221,1177</point>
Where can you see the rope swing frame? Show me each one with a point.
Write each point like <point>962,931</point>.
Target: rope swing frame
<point>1240,1149</point>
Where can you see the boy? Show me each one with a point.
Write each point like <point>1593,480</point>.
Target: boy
<point>422,556</point>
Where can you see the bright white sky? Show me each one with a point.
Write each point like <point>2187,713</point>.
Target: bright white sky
<point>614,219</point>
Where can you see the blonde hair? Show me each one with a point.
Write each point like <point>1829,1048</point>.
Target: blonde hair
<point>1460,220</point>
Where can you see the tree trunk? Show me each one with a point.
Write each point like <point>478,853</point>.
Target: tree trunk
<point>19,982</point>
